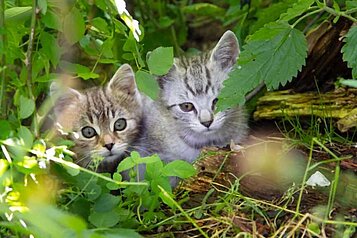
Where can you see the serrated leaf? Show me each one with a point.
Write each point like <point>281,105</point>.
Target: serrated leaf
<point>147,84</point>
<point>73,26</point>
<point>27,107</point>
<point>296,10</point>
<point>349,50</point>
<point>272,55</point>
<point>179,168</point>
<point>161,60</point>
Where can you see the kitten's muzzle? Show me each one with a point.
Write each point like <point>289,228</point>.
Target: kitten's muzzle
<point>205,118</point>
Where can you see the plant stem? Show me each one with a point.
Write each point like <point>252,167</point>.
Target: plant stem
<point>305,177</point>
<point>28,61</point>
<point>341,14</point>
<point>168,196</point>
<point>75,166</point>
<point>3,110</point>
<point>305,16</point>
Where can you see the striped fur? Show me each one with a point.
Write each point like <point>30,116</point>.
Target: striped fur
<point>99,108</point>
<point>198,80</point>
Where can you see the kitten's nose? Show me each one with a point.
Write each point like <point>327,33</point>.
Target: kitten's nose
<point>109,146</point>
<point>207,123</point>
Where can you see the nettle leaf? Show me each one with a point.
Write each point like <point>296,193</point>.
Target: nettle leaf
<point>160,60</point>
<point>349,50</point>
<point>147,84</point>
<point>27,107</point>
<point>73,26</point>
<point>273,55</point>
<point>296,10</point>
<point>179,168</point>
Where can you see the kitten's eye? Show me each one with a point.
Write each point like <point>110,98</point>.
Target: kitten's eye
<point>214,102</point>
<point>186,106</point>
<point>88,132</point>
<point>120,124</point>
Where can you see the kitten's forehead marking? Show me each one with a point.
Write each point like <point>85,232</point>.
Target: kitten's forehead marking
<point>197,77</point>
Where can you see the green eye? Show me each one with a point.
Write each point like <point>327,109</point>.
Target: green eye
<point>88,132</point>
<point>186,106</point>
<point>120,124</point>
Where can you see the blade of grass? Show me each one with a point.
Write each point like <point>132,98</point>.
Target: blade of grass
<point>167,195</point>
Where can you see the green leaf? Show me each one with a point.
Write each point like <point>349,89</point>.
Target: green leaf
<point>349,50</point>
<point>270,14</point>
<point>349,82</point>
<point>204,9</point>
<point>80,70</point>
<point>73,26</point>
<point>160,60</point>
<point>26,136</point>
<point>42,4</point>
<point>106,202</point>
<point>296,10</point>
<point>50,47</point>
<point>101,25</point>
<point>351,4</point>
<point>51,20</point>
<point>272,55</point>
<point>147,84</point>
<point>104,219</point>
<point>126,164</point>
<point>5,129</point>
<point>179,168</point>
<point>17,14</point>
<point>27,107</point>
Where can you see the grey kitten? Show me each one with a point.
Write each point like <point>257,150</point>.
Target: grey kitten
<point>183,120</point>
<point>103,121</point>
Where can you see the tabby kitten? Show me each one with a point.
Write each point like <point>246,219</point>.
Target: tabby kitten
<point>190,90</point>
<point>103,121</point>
<point>183,120</point>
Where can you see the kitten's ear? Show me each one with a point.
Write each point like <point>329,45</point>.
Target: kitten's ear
<point>225,53</point>
<point>123,80</point>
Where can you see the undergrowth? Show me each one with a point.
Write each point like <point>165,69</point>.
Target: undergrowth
<point>44,194</point>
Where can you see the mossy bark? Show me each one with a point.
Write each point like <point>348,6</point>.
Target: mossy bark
<point>340,104</point>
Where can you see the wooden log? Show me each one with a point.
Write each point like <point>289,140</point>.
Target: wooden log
<point>339,104</point>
